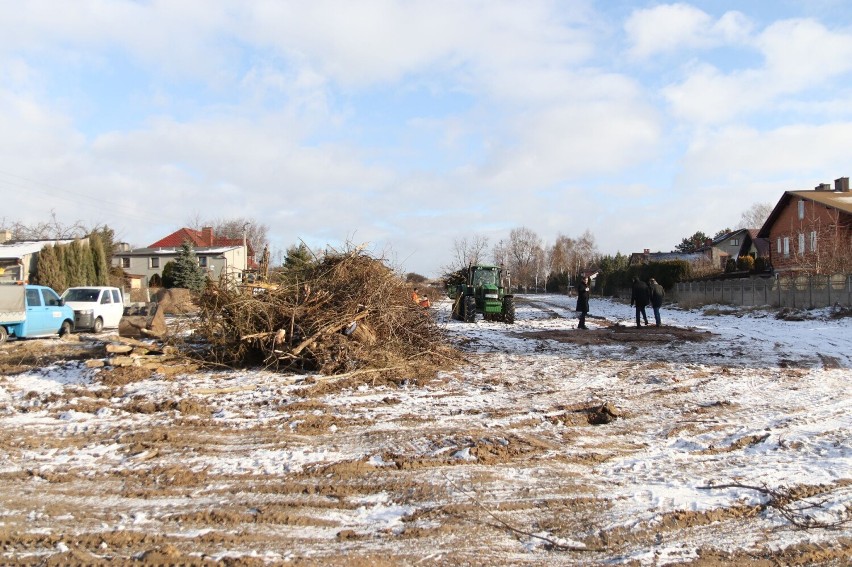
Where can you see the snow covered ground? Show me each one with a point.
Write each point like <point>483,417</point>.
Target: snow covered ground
<point>721,446</point>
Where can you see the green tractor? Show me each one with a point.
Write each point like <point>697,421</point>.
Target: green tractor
<point>484,293</point>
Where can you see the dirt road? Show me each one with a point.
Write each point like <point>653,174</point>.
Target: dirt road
<point>550,447</point>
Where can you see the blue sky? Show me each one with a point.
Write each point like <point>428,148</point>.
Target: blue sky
<point>408,124</point>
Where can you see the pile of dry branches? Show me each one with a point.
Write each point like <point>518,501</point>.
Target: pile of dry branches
<point>346,313</point>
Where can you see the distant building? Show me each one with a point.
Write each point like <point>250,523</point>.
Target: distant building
<point>19,258</point>
<point>218,256</point>
<point>810,232</point>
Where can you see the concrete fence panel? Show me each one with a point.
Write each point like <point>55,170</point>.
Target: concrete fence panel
<point>803,292</point>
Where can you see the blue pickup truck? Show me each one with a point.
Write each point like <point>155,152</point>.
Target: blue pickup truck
<point>33,311</point>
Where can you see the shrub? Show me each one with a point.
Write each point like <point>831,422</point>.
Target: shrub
<point>745,263</point>
<point>761,264</point>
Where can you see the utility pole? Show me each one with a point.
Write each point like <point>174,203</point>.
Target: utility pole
<point>245,248</point>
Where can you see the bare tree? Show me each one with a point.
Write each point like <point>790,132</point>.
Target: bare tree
<point>542,267</point>
<point>256,233</point>
<point>756,215</point>
<point>822,245</point>
<point>500,254</point>
<point>560,254</point>
<point>468,250</point>
<point>53,229</point>
<point>524,248</point>
<point>586,250</point>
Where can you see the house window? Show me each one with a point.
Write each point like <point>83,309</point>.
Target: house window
<point>153,263</point>
<point>202,261</point>
<point>801,243</point>
<point>813,241</point>
<point>801,209</point>
<point>125,262</point>
<point>786,246</point>
<point>779,245</point>
<point>735,242</point>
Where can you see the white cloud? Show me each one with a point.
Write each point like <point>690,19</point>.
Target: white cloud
<point>801,56</point>
<point>673,27</point>
<point>551,144</point>
<point>799,151</point>
<point>804,54</point>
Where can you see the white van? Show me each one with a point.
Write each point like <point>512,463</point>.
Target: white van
<point>95,307</point>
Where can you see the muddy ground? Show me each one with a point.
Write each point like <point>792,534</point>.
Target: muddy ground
<point>144,480</point>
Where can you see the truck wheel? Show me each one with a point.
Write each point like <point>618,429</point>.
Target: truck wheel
<point>509,310</point>
<point>3,334</point>
<point>469,309</point>
<point>65,329</point>
<point>98,325</point>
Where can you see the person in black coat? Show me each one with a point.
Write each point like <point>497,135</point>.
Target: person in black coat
<point>657,294</point>
<point>583,301</point>
<point>639,298</point>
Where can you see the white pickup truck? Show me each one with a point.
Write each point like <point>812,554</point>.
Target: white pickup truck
<point>95,307</point>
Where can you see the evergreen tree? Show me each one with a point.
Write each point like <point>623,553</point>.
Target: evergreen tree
<point>107,238</point>
<point>297,261</point>
<point>186,272</point>
<point>298,258</point>
<point>49,269</point>
<point>169,274</point>
<point>99,259</point>
<point>692,243</point>
<point>88,260</point>
<point>74,263</point>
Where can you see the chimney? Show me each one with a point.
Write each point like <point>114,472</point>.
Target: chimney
<point>646,251</point>
<point>6,235</point>
<point>207,236</point>
<point>823,187</point>
<point>842,184</point>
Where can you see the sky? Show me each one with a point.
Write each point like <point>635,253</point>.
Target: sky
<point>407,125</point>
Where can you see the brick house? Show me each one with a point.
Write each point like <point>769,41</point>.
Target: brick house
<point>810,232</point>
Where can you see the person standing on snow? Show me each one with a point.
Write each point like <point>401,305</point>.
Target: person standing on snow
<point>657,294</point>
<point>639,298</point>
<point>583,301</point>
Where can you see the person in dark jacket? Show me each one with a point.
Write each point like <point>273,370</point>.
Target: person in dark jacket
<point>583,301</point>
<point>639,298</point>
<point>657,293</point>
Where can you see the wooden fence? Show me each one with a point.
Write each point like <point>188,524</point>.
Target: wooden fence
<point>784,291</point>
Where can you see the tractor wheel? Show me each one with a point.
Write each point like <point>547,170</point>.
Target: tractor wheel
<point>458,306</point>
<point>3,334</point>
<point>509,310</point>
<point>469,309</point>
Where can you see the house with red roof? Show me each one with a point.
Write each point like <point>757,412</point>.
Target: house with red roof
<point>219,256</point>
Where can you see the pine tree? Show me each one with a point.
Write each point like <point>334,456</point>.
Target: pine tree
<point>186,272</point>
<point>298,258</point>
